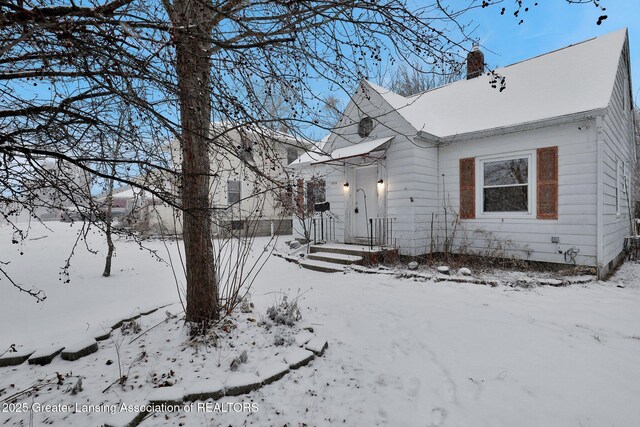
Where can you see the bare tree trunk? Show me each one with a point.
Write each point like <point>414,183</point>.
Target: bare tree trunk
<point>192,22</point>
<point>109,215</point>
<point>107,230</point>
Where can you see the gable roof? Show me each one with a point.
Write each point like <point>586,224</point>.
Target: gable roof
<point>575,79</point>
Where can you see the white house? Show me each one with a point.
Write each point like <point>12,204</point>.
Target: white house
<point>248,175</point>
<point>539,171</point>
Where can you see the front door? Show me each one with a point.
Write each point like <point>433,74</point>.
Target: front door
<point>366,200</point>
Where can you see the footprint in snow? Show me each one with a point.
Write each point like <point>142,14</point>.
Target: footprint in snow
<point>413,388</point>
<point>438,416</point>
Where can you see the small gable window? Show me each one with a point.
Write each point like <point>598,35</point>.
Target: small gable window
<point>365,127</point>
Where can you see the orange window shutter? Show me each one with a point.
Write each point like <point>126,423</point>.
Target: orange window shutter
<point>468,188</point>
<point>547,183</point>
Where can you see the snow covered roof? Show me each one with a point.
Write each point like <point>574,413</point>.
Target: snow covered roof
<point>124,192</point>
<point>263,131</point>
<point>356,150</point>
<point>575,79</point>
<point>310,156</point>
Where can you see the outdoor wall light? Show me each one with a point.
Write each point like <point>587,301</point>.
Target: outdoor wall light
<point>346,185</point>
<point>380,184</point>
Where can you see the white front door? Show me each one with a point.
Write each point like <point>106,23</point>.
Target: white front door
<point>365,204</point>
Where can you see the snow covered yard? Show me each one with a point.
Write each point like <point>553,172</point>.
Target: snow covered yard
<point>401,352</point>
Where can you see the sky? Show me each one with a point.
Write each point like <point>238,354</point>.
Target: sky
<point>551,25</point>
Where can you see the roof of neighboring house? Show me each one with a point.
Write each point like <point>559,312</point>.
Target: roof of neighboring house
<point>575,79</point>
<point>260,130</point>
<point>124,192</point>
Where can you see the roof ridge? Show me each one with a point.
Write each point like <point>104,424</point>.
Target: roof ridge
<point>417,95</point>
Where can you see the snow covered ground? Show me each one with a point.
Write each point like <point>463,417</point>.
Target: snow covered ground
<point>401,352</point>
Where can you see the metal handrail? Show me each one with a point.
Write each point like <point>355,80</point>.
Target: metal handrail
<point>381,232</point>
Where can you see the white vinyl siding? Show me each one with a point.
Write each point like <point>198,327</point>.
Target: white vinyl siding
<point>516,233</point>
<point>618,147</point>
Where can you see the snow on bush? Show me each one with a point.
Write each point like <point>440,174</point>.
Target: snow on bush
<point>285,312</point>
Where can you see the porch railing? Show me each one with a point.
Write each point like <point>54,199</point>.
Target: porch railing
<point>324,228</point>
<point>381,232</point>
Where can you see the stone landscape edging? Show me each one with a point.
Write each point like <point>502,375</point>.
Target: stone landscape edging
<point>439,277</point>
<point>44,356</point>
<point>304,357</point>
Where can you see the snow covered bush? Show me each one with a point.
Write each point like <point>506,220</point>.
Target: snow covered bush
<point>131,327</point>
<point>235,363</point>
<point>284,312</point>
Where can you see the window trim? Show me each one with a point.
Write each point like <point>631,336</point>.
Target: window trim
<point>530,156</point>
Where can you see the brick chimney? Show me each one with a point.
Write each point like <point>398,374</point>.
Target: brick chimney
<point>475,62</point>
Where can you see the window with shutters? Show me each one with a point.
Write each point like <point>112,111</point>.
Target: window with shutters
<point>506,184</point>
<point>521,185</point>
<point>316,192</point>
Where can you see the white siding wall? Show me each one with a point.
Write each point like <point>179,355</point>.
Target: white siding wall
<point>227,167</point>
<point>618,147</point>
<point>426,196</point>
<point>576,224</point>
<point>400,169</point>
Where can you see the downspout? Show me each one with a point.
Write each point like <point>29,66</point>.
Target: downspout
<point>600,196</point>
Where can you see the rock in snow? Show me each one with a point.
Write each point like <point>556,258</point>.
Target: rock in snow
<point>295,244</point>
<point>443,269</point>
<point>464,271</point>
<point>413,265</point>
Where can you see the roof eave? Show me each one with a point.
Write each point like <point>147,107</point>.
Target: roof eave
<point>502,130</point>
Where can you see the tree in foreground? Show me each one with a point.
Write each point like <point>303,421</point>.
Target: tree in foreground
<point>67,72</point>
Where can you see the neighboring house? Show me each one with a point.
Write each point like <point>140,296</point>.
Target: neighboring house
<point>124,201</point>
<point>249,180</point>
<point>538,171</point>
<point>57,187</point>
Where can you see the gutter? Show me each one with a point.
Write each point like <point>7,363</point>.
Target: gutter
<point>503,130</point>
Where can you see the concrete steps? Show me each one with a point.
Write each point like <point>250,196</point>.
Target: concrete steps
<point>322,266</point>
<point>367,255</point>
<point>335,258</point>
